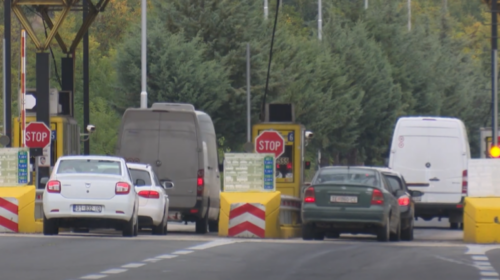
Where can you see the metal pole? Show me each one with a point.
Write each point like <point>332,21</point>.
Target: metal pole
<point>366,4</point>
<point>23,88</point>
<point>86,80</point>
<point>4,87</point>
<point>320,20</point>
<point>7,73</point>
<point>144,93</point>
<point>409,15</point>
<point>249,115</point>
<point>494,71</point>
<point>266,9</point>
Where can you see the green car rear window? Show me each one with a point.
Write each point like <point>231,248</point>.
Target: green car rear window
<point>347,176</point>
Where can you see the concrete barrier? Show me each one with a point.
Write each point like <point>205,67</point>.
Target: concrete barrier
<point>290,224</point>
<point>482,206</point>
<point>17,210</point>
<point>246,214</point>
<point>482,220</point>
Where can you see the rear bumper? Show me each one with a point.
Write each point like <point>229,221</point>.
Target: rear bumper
<point>191,214</point>
<point>432,210</point>
<point>151,213</point>
<point>375,215</point>
<point>57,207</point>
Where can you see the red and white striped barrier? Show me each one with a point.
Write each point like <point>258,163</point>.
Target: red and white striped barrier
<point>247,220</point>
<point>9,219</point>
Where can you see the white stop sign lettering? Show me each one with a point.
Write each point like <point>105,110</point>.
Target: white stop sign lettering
<point>269,145</point>
<point>36,136</point>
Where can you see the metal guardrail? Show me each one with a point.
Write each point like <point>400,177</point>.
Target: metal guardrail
<point>290,210</point>
<point>39,204</point>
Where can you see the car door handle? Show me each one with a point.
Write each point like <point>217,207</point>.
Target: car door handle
<point>434,179</point>
<point>210,168</point>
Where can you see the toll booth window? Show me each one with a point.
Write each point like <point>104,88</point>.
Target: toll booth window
<point>284,166</point>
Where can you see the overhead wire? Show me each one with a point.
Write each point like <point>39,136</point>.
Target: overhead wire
<point>262,112</point>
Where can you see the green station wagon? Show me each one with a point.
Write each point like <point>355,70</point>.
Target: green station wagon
<point>353,200</point>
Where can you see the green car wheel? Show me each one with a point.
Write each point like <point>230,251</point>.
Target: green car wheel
<point>307,232</point>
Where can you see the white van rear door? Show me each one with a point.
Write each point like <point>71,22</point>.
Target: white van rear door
<point>444,169</point>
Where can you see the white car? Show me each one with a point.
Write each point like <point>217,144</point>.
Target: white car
<point>153,198</point>
<point>90,192</point>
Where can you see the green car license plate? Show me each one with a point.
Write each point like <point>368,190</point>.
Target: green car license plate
<point>343,199</point>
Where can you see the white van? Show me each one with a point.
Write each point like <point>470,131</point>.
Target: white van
<point>432,153</point>
<point>180,144</point>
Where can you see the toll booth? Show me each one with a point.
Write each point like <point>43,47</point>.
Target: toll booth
<point>485,142</point>
<point>291,164</point>
<point>65,131</point>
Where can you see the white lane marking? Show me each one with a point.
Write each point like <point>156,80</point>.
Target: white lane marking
<point>479,258</point>
<point>153,260</point>
<point>482,263</point>
<point>452,260</point>
<point>490,268</point>
<point>114,271</point>
<point>212,244</point>
<point>480,249</point>
<point>93,276</point>
<point>489,273</point>
<point>133,265</point>
<point>182,252</point>
<point>166,256</point>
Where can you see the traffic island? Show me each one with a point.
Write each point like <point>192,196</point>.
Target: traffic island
<point>17,210</point>
<point>482,205</point>
<point>482,220</point>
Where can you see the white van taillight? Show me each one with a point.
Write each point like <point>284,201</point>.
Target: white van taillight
<point>464,182</point>
<point>200,182</point>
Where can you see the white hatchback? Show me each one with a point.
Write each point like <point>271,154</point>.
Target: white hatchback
<point>90,192</point>
<point>153,197</point>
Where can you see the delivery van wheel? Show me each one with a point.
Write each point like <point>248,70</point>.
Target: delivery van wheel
<point>213,226</point>
<point>202,225</point>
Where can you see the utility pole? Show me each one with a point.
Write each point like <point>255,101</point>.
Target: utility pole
<point>7,71</point>
<point>266,9</point>
<point>320,20</point>
<point>409,15</point>
<point>86,79</point>
<point>144,93</point>
<point>366,4</point>
<point>249,115</point>
<point>494,71</point>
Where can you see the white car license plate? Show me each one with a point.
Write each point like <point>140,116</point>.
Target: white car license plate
<point>87,208</point>
<point>417,198</point>
<point>344,199</point>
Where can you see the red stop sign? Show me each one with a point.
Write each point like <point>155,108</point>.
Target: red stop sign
<point>37,135</point>
<point>270,142</point>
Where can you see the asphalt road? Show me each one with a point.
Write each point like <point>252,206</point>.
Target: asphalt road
<point>436,253</point>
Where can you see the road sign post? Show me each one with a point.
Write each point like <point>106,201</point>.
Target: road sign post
<point>38,135</point>
<point>270,142</point>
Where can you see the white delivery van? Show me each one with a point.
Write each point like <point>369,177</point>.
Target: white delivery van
<point>432,153</point>
<point>180,144</point>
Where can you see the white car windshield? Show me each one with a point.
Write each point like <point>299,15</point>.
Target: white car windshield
<point>140,177</point>
<point>89,166</point>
